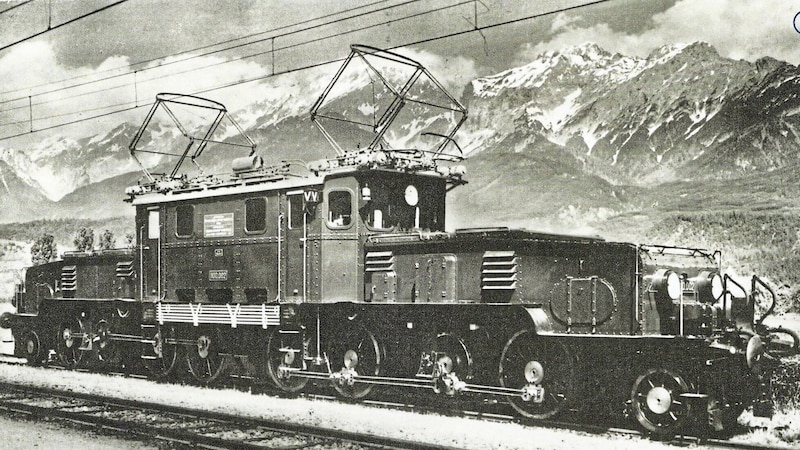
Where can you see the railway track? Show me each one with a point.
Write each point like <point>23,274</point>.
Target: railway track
<point>190,427</point>
<point>203,429</point>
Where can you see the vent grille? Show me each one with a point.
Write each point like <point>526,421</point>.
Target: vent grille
<point>379,262</point>
<point>125,269</point>
<point>69,278</point>
<point>499,271</point>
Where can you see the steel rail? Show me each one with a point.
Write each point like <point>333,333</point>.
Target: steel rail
<point>419,404</point>
<point>196,426</point>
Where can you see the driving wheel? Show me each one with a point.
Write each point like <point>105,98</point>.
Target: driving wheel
<point>284,356</point>
<point>205,362</point>
<point>165,350</point>
<point>69,339</point>
<point>356,353</point>
<point>657,403</point>
<point>103,345</point>
<point>32,348</point>
<point>542,369</point>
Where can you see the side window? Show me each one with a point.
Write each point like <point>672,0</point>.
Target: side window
<point>184,217</point>
<point>340,212</point>
<point>255,215</point>
<point>153,224</point>
<point>295,211</point>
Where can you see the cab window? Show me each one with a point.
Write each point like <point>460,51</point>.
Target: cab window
<point>255,215</point>
<point>295,211</point>
<point>184,220</point>
<point>340,212</point>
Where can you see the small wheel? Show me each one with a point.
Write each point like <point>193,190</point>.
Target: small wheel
<point>284,354</point>
<point>107,351</point>
<point>359,353</point>
<point>657,403</point>
<point>68,341</point>
<point>543,369</point>
<point>165,349</point>
<point>205,363</point>
<point>32,348</point>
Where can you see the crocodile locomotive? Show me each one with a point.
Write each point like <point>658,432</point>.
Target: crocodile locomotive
<point>343,273</point>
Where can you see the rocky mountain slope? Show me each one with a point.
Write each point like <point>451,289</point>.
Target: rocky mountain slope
<point>576,137</point>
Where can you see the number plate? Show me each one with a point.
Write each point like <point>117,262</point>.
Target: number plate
<point>217,275</point>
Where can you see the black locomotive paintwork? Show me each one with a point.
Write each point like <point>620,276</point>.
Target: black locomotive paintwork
<point>346,275</point>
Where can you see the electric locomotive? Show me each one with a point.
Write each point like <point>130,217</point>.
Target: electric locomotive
<point>345,273</point>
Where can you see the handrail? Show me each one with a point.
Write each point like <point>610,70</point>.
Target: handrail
<point>725,291</point>
<point>755,281</point>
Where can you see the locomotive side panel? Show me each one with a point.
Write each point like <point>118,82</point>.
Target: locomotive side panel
<point>584,286</point>
<point>221,251</point>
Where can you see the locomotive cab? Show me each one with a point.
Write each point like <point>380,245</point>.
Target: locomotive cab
<point>392,202</point>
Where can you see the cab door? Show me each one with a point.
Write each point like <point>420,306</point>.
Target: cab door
<point>339,243</point>
<point>297,224</point>
<point>150,233</point>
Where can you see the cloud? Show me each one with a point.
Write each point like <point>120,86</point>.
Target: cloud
<point>31,98</point>
<point>454,72</point>
<point>737,29</point>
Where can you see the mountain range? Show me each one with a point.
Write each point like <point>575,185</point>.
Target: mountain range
<point>576,139</point>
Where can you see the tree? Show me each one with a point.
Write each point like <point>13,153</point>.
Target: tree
<point>43,249</point>
<point>107,240</point>
<point>130,240</point>
<point>84,239</point>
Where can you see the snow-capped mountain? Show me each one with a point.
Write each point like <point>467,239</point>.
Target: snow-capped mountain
<point>579,132</point>
<point>57,166</point>
<point>682,112</point>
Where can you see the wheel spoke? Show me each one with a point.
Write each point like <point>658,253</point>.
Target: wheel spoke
<point>205,363</point>
<point>276,364</point>
<point>655,399</point>
<point>368,361</point>
<point>556,382</point>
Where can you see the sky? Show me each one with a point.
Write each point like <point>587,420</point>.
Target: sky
<point>56,67</point>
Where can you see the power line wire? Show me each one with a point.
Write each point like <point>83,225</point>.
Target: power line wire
<point>51,27</point>
<point>55,90</point>
<point>206,47</point>
<point>15,6</point>
<point>306,67</point>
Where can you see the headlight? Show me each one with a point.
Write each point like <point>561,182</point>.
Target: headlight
<point>666,284</point>
<point>708,286</point>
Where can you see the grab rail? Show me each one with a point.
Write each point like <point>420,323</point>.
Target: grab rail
<point>726,291</point>
<point>758,281</point>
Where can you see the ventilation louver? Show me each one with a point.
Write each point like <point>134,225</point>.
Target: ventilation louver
<point>499,271</point>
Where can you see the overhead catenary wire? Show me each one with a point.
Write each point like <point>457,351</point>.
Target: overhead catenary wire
<point>51,27</point>
<point>13,7</point>
<point>472,29</point>
<point>161,66</point>
<point>193,55</point>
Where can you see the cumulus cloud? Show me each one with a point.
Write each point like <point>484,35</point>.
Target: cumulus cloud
<point>737,29</point>
<point>454,72</point>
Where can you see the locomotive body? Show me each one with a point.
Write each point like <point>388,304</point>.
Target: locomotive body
<point>346,275</point>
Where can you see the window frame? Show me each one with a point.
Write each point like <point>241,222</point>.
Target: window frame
<point>178,209</point>
<point>295,215</point>
<point>247,216</point>
<point>328,221</point>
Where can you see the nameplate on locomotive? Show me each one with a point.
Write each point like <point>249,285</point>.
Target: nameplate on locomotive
<point>217,275</point>
<point>218,225</point>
